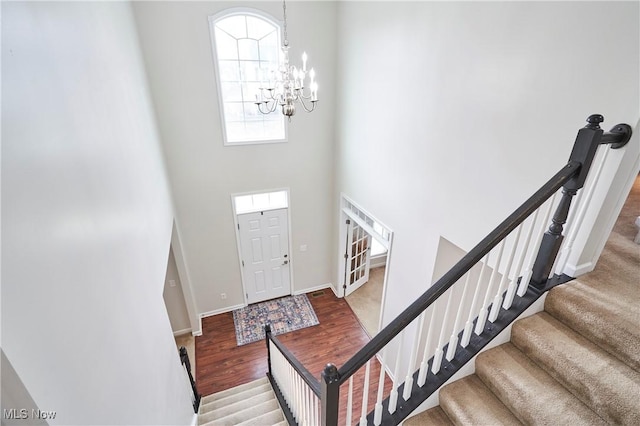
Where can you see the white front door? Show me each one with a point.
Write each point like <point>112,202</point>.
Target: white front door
<point>357,257</point>
<point>264,241</point>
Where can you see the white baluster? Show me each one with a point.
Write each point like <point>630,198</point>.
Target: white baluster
<point>437,357</point>
<point>310,404</point>
<point>296,396</point>
<point>377,415</point>
<point>482,316</point>
<point>468,326</point>
<point>350,401</point>
<point>393,397</point>
<point>511,291</point>
<point>526,276</point>
<point>292,395</point>
<point>422,376</point>
<point>408,381</point>
<point>300,399</point>
<point>453,340</point>
<point>497,300</point>
<point>305,401</point>
<point>365,395</point>
<point>583,206</point>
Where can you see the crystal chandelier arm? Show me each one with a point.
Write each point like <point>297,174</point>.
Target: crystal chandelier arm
<point>301,94</point>
<point>269,108</point>
<point>304,105</point>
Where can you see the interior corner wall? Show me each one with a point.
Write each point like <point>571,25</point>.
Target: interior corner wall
<point>86,219</point>
<point>204,173</point>
<point>174,298</point>
<point>451,114</point>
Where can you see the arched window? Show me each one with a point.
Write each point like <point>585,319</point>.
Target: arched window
<point>246,46</point>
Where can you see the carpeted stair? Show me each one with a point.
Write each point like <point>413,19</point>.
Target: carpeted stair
<point>575,363</point>
<point>551,374</point>
<point>250,404</point>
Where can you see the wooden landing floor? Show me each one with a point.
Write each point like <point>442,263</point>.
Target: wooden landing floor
<point>221,364</point>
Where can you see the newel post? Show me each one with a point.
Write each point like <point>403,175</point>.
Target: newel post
<point>584,150</point>
<point>330,395</point>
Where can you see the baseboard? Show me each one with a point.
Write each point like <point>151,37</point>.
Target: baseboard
<point>194,420</point>
<point>576,271</point>
<point>335,292</point>
<point>219,311</point>
<point>181,332</point>
<point>378,261</point>
<point>312,289</point>
<point>198,332</point>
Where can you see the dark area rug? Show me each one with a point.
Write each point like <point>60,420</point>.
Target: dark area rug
<point>286,314</point>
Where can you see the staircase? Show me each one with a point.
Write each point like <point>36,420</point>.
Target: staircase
<point>252,403</point>
<point>576,362</point>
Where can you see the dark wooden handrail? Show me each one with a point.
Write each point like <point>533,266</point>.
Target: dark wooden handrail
<point>302,371</point>
<point>572,177</point>
<point>387,334</point>
<point>184,359</point>
<point>576,169</point>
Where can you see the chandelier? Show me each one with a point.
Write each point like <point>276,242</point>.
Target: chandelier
<point>286,85</point>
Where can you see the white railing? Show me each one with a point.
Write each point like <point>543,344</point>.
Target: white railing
<point>301,399</point>
<point>467,308</point>
<point>420,349</point>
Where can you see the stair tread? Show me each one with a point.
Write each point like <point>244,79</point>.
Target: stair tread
<point>432,417</point>
<point>244,415</point>
<point>240,388</point>
<point>605,312</point>
<point>235,397</point>
<point>237,406</point>
<point>469,401</point>
<point>528,391</point>
<point>578,363</point>
<point>271,418</point>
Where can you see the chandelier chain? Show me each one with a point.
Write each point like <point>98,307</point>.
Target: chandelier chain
<point>284,14</point>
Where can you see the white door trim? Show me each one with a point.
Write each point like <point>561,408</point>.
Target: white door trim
<point>344,214</point>
<point>236,225</point>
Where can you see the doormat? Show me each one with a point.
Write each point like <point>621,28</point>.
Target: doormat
<point>286,314</point>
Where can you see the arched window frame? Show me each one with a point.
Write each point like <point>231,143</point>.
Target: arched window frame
<point>213,20</point>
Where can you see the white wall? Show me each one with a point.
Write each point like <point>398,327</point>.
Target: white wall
<point>86,219</point>
<point>466,109</point>
<point>174,298</point>
<point>203,173</point>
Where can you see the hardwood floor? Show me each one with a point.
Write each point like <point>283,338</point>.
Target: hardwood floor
<point>221,364</point>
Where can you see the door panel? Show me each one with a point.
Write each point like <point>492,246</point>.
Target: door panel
<point>358,259</point>
<point>264,241</point>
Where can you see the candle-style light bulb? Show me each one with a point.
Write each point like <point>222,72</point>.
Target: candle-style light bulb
<point>304,61</point>
<point>312,74</point>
